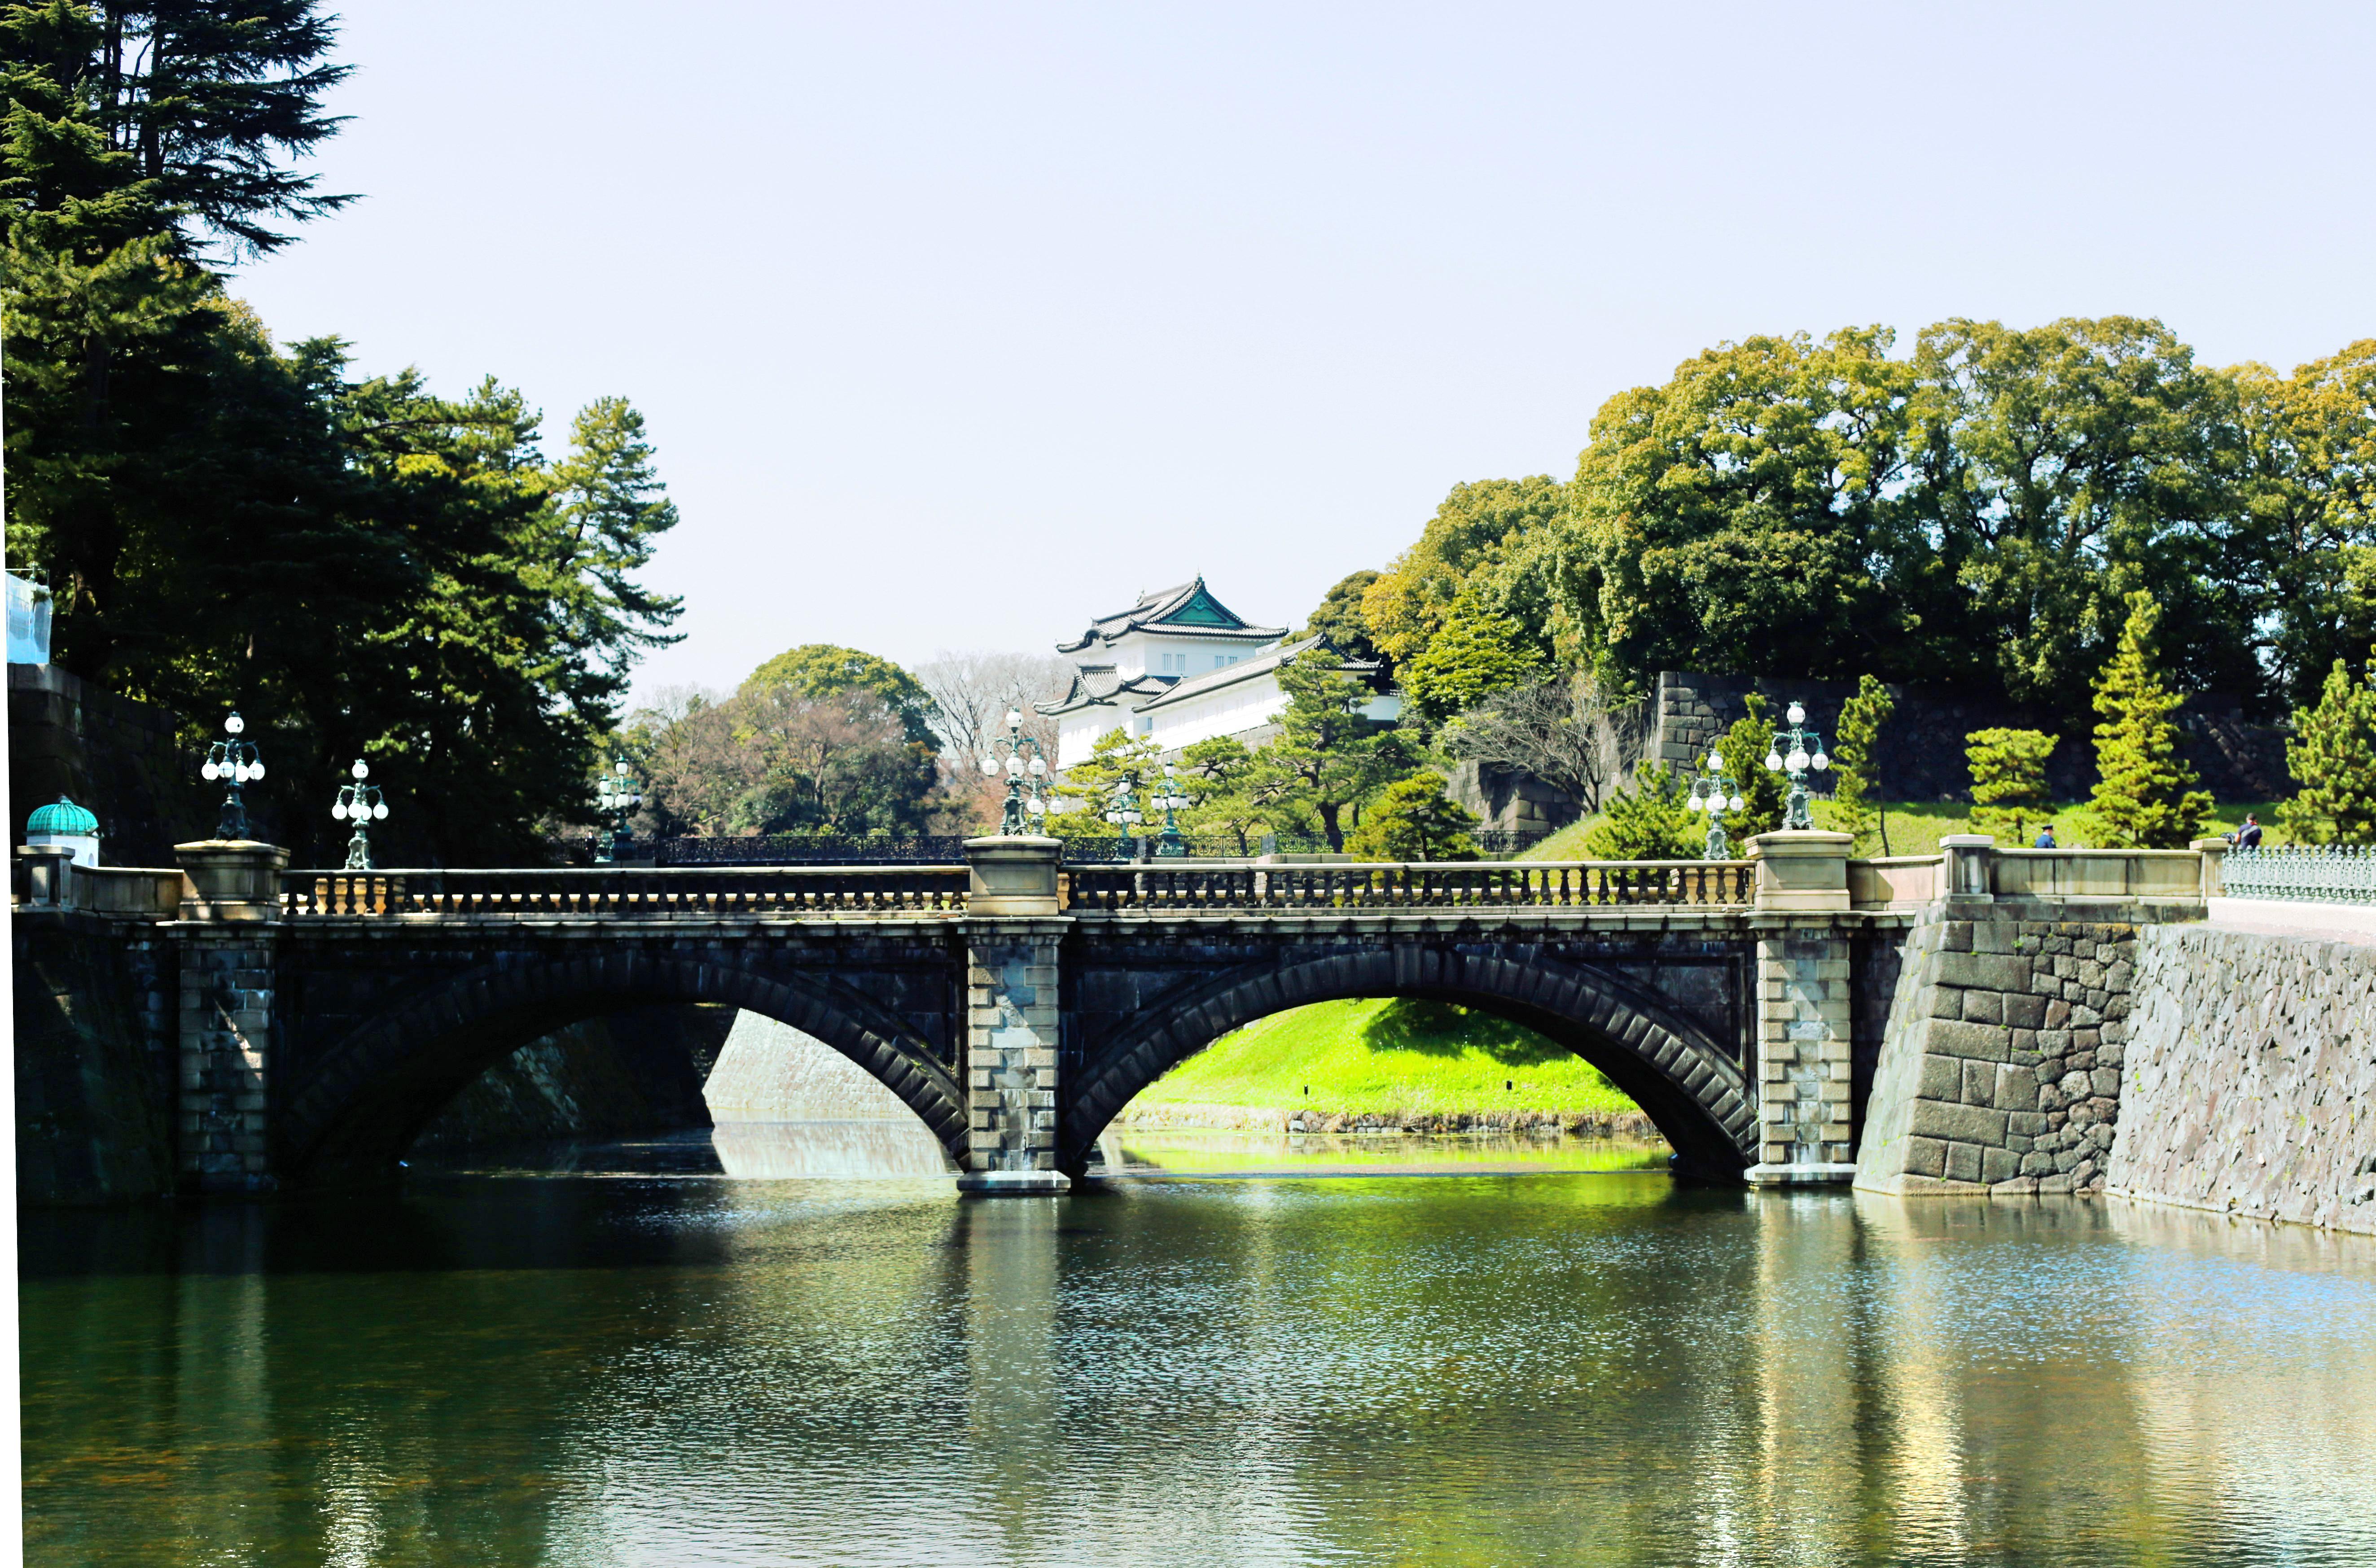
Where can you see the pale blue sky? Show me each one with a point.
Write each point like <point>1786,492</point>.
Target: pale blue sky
<point>958,324</point>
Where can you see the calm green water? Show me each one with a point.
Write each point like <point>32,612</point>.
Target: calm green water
<point>606,1368</point>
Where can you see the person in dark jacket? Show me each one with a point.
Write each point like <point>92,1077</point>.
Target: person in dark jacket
<point>2046,838</point>
<point>2248,836</point>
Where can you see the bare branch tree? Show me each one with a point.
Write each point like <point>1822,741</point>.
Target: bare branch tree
<point>1559,731</point>
<point>971,694</point>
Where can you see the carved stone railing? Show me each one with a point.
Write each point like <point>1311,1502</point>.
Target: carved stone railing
<point>1449,884</point>
<point>2311,873</point>
<point>47,879</point>
<point>631,893</point>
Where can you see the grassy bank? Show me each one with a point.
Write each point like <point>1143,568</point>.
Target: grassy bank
<point>1916,827</point>
<point>1401,1059</point>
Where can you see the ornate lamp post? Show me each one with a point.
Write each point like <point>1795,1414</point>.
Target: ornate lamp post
<point>1026,777</point>
<point>618,795</point>
<point>1714,793</point>
<point>1796,762</point>
<point>236,762</point>
<point>1125,813</point>
<point>359,803</point>
<point>1172,802</point>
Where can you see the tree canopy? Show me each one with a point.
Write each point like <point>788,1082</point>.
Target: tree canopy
<point>1971,510</point>
<point>365,567</point>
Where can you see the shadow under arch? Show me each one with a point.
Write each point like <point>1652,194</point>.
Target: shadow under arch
<point>1692,1088</point>
<point>374,1090</point>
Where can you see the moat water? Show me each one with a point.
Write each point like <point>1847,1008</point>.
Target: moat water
<point>621,1355</point>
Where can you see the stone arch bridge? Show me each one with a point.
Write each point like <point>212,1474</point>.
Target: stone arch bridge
<point>1014,1003</point>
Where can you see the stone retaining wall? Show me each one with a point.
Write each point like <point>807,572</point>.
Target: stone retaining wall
<point>2252,1077</point>
<point>1999,1070</point>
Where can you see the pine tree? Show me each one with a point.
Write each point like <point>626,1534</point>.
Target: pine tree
<point>2145,796</point>
<point>2009,781</point>
<point>2333,754</point>
<point>1648,822</point>
<point>1329,757</point>
<point>1861,718</point>
<point>1763,791</point>
<point>1413,819</point>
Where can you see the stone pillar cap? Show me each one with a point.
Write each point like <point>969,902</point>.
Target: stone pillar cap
<point>1966,840</point>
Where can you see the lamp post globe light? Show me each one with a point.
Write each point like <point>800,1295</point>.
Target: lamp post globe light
<point>1806,751</point>
<point>1172,802</point>
<point>618,795</point>
<point>359,803</point>
<point>1123,811</point>
<point>1025,810</point>
<point>234,761</point>
<point>1714,793</point>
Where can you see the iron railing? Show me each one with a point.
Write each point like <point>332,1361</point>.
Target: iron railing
<point>1450,884</point>
<point>632,892</point>
<point>2318,873</point>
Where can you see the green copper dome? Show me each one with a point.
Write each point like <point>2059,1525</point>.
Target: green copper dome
<point>65,819</point>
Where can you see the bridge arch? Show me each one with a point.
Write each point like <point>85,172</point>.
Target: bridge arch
<point>356,1112</point>
<point>1692,1088</point>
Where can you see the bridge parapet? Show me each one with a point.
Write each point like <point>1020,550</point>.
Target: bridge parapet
<point>706,893</point>
<point>1235,885</point>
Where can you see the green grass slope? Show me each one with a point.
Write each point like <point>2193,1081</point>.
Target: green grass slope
<point>1916,827</point>
<point>1398,1058</point>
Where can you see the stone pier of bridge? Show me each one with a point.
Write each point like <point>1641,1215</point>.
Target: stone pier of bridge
<point>1797,1017</point>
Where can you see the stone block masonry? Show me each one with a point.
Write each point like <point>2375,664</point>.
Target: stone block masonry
<point>1806,1119</point>
<point>1013,1031</point>
<point>226,1051</point>
<point>2250,1078</point>
<point>2001,1066</point>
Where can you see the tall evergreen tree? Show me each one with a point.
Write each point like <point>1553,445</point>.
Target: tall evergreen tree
<point>2146,795</point>
<point>1329,757</point>
<point>1861,718</point>
<point>2009,781</point>
<point>2333,754</point>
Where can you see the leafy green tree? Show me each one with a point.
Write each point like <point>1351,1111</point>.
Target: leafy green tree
<point>2145,794</point>
<point>1473,543</point>
<point>1752,514</point>
<point>821,670</point>
<point>2333,754</point>
<point>2068,466</point>
<point>1765,794</point>
<point>2009,782</point>
<point>1474,654</point>
<point>1341,620</point>
<point>1329,757</point>
<point>1648,822</point>
<point>1413,819</point>
<point>1861,718</point>
<point>2305,545</point>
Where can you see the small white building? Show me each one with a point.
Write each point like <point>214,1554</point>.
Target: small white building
<point>1178,667</point>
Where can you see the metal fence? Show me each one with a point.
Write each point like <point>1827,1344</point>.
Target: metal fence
<point>2318,873</point>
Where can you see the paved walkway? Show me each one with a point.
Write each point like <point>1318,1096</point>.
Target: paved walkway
<point>2322,923</point>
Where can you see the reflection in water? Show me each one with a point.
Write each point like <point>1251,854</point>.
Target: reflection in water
<point>1547,1369</point>
<point>843,1150</point>
<point>1182,1151</point>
